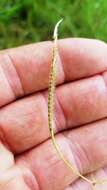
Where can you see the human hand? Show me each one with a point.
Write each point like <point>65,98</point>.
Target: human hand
<point>28,159</point>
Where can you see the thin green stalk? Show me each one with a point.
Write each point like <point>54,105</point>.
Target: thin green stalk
<point>52,82</point>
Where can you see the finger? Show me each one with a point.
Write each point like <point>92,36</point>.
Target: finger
<point>12,177</point>
<point>24,123</point>
<point>25,70</point>
<point>82,57</point>
<point>32,61</point>
<point>83,147</point>
<point>14,182</point>
<point>83,185</point>
<point>17,184</point>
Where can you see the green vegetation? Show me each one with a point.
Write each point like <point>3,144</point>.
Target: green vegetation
<point>27,21</point>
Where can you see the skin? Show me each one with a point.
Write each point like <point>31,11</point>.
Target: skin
<point>28,159</point>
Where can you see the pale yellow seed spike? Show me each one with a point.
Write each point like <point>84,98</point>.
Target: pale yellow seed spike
<point>51,103</point>
<point>51,107</point>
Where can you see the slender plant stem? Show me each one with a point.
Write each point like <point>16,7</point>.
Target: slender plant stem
<point>51,91</point>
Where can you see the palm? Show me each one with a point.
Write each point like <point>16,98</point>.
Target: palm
<point>28,160</point>
<point>22,177</point>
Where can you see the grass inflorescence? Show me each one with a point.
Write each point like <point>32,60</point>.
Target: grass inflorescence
<point>51,91</point>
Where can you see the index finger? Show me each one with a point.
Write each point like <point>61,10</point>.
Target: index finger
<point>25,70</point>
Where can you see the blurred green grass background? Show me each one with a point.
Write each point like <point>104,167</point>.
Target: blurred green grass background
<point>27,21</point>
